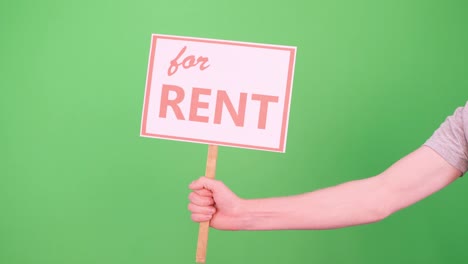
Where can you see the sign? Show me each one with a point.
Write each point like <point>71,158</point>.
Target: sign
<point>218,92</point>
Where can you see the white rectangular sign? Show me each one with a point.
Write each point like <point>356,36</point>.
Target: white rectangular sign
<point>218,92</point>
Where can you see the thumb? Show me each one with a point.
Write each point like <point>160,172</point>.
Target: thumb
<point>206,183</point>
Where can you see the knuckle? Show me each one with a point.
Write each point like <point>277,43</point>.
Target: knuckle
<point>205,202</point>
<point>205,193</point>
<point>200,200</point>
<point>205,210</point>
<point>194,197</point>
<point>194,218</point>
<point>210,201</point>
<point>208,210</point>
<point>212,210</point>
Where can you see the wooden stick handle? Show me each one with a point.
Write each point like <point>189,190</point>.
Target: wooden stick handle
<point>205,226</point>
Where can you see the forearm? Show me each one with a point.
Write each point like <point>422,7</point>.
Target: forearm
<point>348,204</point>
<point>409,180</point>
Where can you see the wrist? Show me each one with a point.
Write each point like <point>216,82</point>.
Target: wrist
<point>244,215</point>
<point>251,214</point>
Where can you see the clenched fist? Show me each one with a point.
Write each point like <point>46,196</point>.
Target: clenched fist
<point>212,200</point>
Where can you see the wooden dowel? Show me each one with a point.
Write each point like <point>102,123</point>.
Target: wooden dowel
<point>210,172</point>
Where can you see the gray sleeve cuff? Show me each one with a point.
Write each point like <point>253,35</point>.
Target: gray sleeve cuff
<point>447,155</point>
<point>450,140</point>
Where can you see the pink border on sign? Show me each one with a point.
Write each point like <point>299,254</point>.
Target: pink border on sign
<point>287,98</point>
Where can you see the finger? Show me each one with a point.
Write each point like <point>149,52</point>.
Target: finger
<point>196,184</point>
<point>201,217</point>
<point>205,183</point>
<point>204,192</point>
<point>196,209</point>
<point>200,200</point>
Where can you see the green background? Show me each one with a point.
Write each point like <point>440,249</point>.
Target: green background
<point>78,184</point>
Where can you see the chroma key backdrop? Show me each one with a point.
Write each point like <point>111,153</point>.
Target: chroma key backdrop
<point>372,81</point>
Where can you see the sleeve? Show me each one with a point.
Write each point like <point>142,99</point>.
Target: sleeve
<point>450,139</point>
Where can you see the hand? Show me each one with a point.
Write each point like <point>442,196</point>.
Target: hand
<point>212,201</point>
